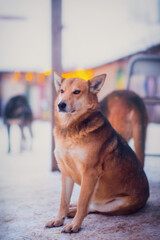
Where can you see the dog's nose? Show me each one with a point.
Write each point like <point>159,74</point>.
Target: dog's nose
<point>62,106</point>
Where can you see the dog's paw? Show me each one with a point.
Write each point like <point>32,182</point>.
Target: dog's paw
<point>72,212</point>
<point>57,222</point>
<point>71,228</point>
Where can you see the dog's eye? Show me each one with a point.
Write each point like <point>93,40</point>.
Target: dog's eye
<point>61,91</point>
<point>76,92</point>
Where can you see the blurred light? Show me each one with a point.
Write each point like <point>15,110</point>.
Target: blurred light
<point>29,76</point>
<point>84,74</point>
<point>48,72</point>
<point>17,76</point>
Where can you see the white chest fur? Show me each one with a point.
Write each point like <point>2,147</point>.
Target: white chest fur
<point>71,154</point>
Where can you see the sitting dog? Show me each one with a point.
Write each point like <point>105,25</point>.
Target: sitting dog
<point>92,154</point>
<point>127,114</point>
<point>18,111</point>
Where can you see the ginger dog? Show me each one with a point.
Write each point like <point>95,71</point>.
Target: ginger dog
<point>92,154</point>
<point>127,114</point>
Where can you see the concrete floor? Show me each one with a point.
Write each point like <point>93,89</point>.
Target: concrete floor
<point>30,193</point>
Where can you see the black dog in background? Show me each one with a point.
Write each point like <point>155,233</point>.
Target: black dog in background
<point>18,111</point>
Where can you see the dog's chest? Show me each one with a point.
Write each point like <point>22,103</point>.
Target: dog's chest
<point>70,155</point>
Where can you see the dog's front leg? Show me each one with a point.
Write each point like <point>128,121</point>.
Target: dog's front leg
<point>88,184</point>
<point>67,187</point>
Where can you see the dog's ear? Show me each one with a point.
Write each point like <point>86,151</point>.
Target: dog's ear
<point>57,81</point>
<point>96,83</point>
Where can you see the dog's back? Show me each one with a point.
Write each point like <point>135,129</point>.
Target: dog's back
<point>18,111</point>
<point>128,116</point>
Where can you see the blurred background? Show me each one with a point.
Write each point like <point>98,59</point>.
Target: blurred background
<point>88,37</point>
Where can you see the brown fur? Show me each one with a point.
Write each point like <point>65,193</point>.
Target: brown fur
<point>127,114</point>
<point>92,154</point>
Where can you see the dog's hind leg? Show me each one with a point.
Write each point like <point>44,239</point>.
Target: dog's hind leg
<point>139,136</point>
<point>97,207</point>
<point>117,206</point>
<point>139,128</point>
<point>31,134</point>
<point>72,210</point>
<point>9,137</point>
<point>30,130</point>
<point>23,139</point>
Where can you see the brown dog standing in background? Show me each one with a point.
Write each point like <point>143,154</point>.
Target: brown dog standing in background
<point>127,114</point>
<point>92,154</point>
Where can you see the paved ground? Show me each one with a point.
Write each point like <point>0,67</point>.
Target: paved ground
<point>30,192</point>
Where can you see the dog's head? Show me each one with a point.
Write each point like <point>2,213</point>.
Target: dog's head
<point>76,96</point>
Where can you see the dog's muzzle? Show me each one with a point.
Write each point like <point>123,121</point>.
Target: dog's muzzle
<point>62,107</point>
